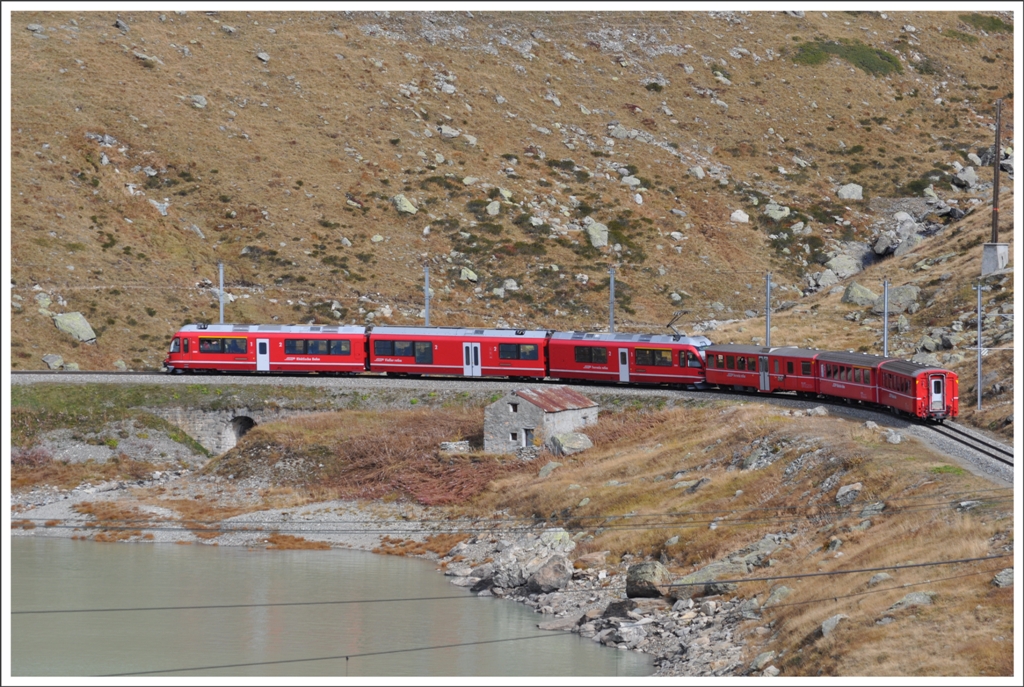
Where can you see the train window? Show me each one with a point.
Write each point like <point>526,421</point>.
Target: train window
<point>805,367</point>
<point>175,346</point>
<point>937,386</point>
<point>692,359</point>
<point>237,346</point>
<point>729,363</point>
<point>424,352</point>
<point>867,376</point>
<point>776,361</point>
<point>663,358</point>
<point>185,342</point>
<point>721,362</point>
<point>584,354</point>
<point>294,346</point>
<point>341,347</point>
<point>752,365</point>
<point>789,367</point>
<point>508,351</point>
<point>528,352</point>
<point>403,348</point>
<point>601,355</point>
<point>856,375</point>
<point>318,346</point>
<point>741,363</point>
<point>644,356</point>
<point>383,347</point>
<point>210,345</point>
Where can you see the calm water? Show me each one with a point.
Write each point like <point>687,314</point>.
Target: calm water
<point>50,574</point>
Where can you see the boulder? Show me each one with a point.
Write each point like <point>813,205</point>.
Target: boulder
<point>777,595</point>
<point>696,583</point>
<point>850,192</point>
<point>966,178</point>
<point>1004,578</point>
<point>557,539</point>
<point>878,579</point>
<point>651,579</point>
<point>548,469</point>
<point>631,181</point>
<point>829,625</point>
<point>886,243</point>
<point>198,101</point>
<point>594,559</point>
<point>776,212</point>
<point>468,275</point>
<point>53,361</point>
<point>403,204</point>
<point>844,265</point>
<point>848,494</point>
<point>900,299</point>
<point>739,217</point>
<point>858,295</point>
<point>74,324</point>
<point>914,599</point>
<point>493,208</point>
<point>697,172</point>
<point>448,132</point>
<point>570,443</point>
<point>762,660</point>
<point>598,234</point>
<point>826,279</point>
<point>552,576</point>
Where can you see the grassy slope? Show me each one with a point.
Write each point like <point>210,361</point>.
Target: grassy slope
<point>334,126</point>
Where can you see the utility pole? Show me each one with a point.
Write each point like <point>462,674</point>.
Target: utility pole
<point>978,385</point>
<point>768,311</point>
<point>611,300</point>
<point>220,268</point>
<point>885,317</point>
<point>426,295</point>
<point>995,174</point>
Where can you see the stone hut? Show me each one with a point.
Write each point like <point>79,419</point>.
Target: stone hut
<point>531,417</point>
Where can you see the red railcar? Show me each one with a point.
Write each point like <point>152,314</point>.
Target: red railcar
<point>919,390</point>
<point>267,348</point>
<point>744,368</point>
<point>636,358</point>
<point>455,351</point>
<point>852,376</point>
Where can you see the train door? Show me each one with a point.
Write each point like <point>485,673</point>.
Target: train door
<point>763,368</point>
<point>937,393</point>
<point>471,359</point>
<point>623,364</point>
<point>263,355</point>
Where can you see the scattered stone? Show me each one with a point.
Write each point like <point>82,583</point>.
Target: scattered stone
<point>739,217</point>
<point>650,579</point>
<point>697,172</point>
<point>263,57</point>
<point>1004,578</point>
<point>598,234</point>
<point>858,295</point>
<point>777,595</point>
<point>448,132</point>
<point>468,275</point>
<point>121,25</point>
<point>403,204</point>
<point>53,361</point>
<point>966,178</point>
<point>552,576</point>
<point>844,265</point>
<point>850,192</point>
<point>901,298</point>
<point>762,660</point>
<point>198,102</point>
<point>879,578</point>
<point>569,443</point>
<point>914,599</point>
<point>74,324</point>
<point>120,365</point>
<point>894,437</point>
<point>776,212</point>
<point>848,494</point>
<point>493,208</point>
<point>548,469</point>
<point>829,625</point>
<point>818,411</point>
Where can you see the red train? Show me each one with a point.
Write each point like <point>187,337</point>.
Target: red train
<point>904,387</point>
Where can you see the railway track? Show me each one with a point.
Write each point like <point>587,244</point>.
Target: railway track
<point>975,442</point>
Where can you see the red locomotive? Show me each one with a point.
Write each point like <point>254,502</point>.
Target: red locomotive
<point>902,386</point>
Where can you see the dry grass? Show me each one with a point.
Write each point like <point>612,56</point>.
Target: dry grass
<point>357,454</point>
<point>439,544</point>
<point>280,542</point>
<point>116,521</point>
<point>70,475</point>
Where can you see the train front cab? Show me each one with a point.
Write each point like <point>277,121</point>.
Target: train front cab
<point>925,392</point>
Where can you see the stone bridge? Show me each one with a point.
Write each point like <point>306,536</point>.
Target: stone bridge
<point>219,430</point>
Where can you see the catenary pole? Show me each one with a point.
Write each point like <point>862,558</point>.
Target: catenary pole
<point>611,299</point>
<point>426,295</point>
<point>885,317</point>
<point>220,268</point>
<point>978,385</point>
<point>995,174</point>
<point>768,311</point>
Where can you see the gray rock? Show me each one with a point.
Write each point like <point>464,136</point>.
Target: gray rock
<point>879,578</point>
<point>631,181</point>
<point>569,443</point>
<point>929,359</point>
<point>817,411</point>
<point>161,207</point>
<point>555,574</point>
<point>829,625</point>
<point>403,204</point>
<point>826,279</point>
<point>908,244</point>
<point>844,265</point>
<point>120,365</point>
<point>448,132</point>
<point>900,299</point>
<point>770,671</point>
<point>53,361</point>
<point>651,579</point>
<point>848,494</point>
<point>71,367</point>
<point>1004,578</point>
<point>548,469</point>
<point>74,324</point>
<point>739,217</point>
<point>886,243</point>
<point>914,599</point>
<point>493,208</point>
<point>468,275</point>
<point>777,595</point>
<point>762,660</point>
<point>776,212</point>
<point>598,234</point>
<point>697,172</point>
<point>893,437</point>
<point>263,57</point>
<point>35,28</point>
<point>850,192</point>
<point>966,178</point>
<point>121,25</point>
<point>902,324</point>
<point>872,509</point>
<point>198,101</point>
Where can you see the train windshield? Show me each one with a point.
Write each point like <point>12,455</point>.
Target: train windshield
<point>175,345</point>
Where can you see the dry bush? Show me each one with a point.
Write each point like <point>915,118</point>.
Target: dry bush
<point>439,544</point>
<point>32,458</point>
<point>281,542</point>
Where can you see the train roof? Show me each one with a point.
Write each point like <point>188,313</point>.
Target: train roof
<point>846,358</point>
<point>743,349</point>
<point>629,337</point>
<point>267,328</point>
<point>459,332</point>
<point>905,367</point>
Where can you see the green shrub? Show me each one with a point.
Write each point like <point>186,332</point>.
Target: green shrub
<point>871,60</point>
<point>655,86</point>
<point>986,23</point>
